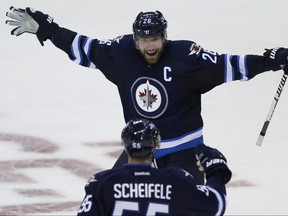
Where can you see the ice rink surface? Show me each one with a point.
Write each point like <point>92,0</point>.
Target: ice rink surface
<point>60,123</point>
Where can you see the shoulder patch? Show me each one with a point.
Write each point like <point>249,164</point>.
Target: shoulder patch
<point>92,179</point>
<point>195,49</point>
<point>117,39</point>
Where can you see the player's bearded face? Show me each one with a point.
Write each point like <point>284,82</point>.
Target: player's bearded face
<point>151,48</point>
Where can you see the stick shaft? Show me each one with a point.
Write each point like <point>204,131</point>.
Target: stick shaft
<point>271,110</point>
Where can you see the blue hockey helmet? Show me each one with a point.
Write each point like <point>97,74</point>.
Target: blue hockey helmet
<point>150,24</point>
<point>140,138</point>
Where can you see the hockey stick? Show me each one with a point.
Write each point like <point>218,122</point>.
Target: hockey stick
<point>272,108</point>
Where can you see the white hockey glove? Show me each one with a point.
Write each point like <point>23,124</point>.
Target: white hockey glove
<point>31,21</point>
<point>23,21</point>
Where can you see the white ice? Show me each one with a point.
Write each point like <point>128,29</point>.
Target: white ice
<point>45,95</point>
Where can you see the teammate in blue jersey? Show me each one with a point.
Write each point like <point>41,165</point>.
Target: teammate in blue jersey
<point>157,79</point>
<point>139,189</point>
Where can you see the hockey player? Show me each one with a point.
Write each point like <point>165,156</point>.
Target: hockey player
<point>157,79</point>
<point>139,189</point>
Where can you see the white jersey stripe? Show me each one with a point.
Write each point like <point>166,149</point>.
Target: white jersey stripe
<point>174,143</point>
<point>87,49</point>
<point>229,72</point>
<point>75,49</point>
<point>242,67</point>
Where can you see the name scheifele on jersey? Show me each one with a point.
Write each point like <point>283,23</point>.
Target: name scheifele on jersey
<point>142,190</point>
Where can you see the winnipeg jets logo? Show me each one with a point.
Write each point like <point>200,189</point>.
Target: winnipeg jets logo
<point>195,49</point>
<point>149,97</point>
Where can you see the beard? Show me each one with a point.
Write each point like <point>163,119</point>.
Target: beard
<point>152,57</point>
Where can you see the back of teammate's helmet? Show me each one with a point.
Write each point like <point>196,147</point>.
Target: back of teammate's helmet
<point>150,24</point>
<point>140,138</point>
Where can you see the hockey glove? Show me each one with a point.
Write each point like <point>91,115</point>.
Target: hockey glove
<point>278,54</point>
<point>213,162</point>
<point>31,21</point>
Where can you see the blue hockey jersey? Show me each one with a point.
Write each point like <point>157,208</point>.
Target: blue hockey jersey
<point>169,92</point>
<point>143,190</point>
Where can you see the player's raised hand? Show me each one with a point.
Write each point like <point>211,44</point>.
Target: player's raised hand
<point>31,21</point>
<point>213,162</point>
<point>22,20</point>
<point>279,55</point>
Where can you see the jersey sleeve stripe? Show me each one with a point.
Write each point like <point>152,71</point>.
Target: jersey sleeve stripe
<point>229,70</point>
<point>242,67</point>
<point>87,49</point>
<point>80,50</point>
<point>75,49</point>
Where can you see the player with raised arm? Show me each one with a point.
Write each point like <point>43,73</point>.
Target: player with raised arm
<point>157,79</point>
<point>139,189</point>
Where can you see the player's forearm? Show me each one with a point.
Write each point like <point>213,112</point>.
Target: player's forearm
<point>259,64</point>
<point>63,39</point>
